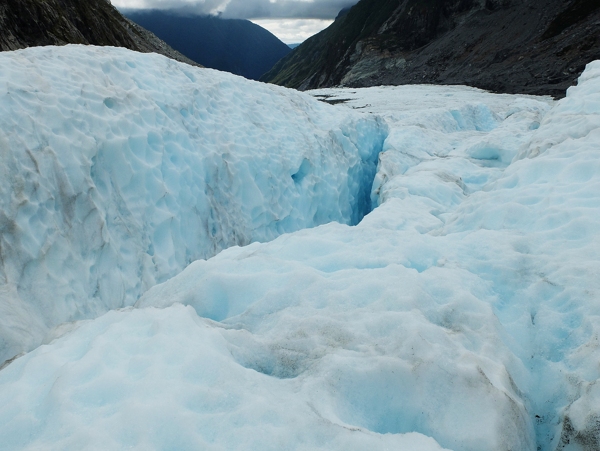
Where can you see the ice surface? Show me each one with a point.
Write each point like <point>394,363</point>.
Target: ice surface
<point>118,169</point>
<point>462,313</point>
<point>490,259</point>
<point>165,380</point>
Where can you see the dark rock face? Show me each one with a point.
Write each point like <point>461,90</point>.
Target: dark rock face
<point>29,23</point>
<point>237,46</point>
<point>513,46</point>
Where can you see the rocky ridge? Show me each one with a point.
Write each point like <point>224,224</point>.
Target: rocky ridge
<point>30,23</point>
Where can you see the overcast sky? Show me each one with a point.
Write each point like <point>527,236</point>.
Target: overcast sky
<point>290,20</point>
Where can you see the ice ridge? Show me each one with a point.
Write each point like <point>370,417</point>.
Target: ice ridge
<point>118,169</point>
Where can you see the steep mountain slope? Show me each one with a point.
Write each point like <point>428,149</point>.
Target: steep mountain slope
<point>236,46</point>
<point>31,23</point>
<point>515,46</point>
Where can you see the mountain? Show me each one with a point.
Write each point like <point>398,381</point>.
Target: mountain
<point>514,46</point>
<point>31,23</point>
<point>237,46</point>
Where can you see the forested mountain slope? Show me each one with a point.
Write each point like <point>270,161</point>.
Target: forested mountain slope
<point>237,46</point>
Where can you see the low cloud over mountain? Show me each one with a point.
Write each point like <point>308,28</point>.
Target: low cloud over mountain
<point>246,9</point>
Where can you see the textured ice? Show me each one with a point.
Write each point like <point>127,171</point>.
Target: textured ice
<point>118,169</point>
<point>462,313</point>
<point>165,380</point>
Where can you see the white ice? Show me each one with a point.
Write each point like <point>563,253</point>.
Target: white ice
<point>117,170</point>
<point>462,313</point>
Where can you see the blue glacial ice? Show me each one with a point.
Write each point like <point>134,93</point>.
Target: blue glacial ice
<point>118,170</point>
<point>461,313</point>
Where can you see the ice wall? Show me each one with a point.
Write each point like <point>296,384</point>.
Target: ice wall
<point>118,169</point>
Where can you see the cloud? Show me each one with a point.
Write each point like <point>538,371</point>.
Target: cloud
<point>245,9</point>
<point>293,31</point>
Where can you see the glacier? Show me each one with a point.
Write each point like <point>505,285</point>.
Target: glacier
<point>444,298</point>
<point>119,170</point>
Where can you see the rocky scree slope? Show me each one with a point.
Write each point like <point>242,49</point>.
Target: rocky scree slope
<point>31,23</point>
<point>509,46</point>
